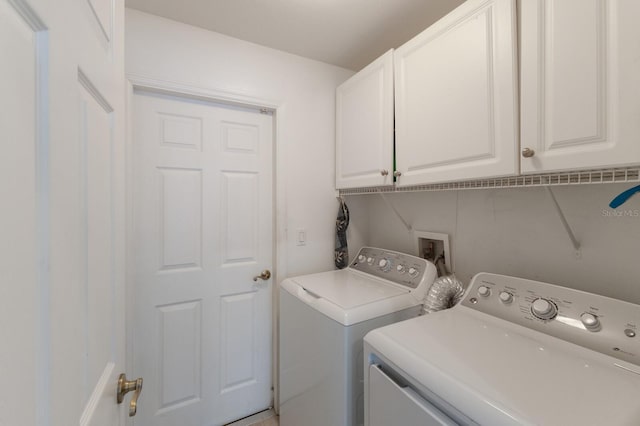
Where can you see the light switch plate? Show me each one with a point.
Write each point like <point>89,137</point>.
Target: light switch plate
<point>301,237</point>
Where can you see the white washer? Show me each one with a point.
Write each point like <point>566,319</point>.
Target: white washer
<point>513,352</point>
<point>323,318</point>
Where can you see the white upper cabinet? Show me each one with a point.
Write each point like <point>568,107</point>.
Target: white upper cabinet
<point>364,126</point>
<point>456,96</point>
<point>580,84</point>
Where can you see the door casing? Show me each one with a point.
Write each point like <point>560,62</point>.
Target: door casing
<point>137,82</point>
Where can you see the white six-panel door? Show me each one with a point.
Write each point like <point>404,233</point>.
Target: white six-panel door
<point>61,182</point>
<point>202,199</point>
<point>579,84</point>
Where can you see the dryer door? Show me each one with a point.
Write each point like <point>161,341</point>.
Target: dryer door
<point>389,404</point>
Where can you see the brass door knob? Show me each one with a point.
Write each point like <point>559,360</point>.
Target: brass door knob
<point>264,275</point>
<point>528,153</point>
<point>124,387</point>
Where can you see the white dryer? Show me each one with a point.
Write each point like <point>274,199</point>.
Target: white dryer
<point>323,318</point>
<point>513,352</point>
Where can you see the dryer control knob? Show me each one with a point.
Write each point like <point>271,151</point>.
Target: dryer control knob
<point>590,321</point>
<point>413,272</point>
<point>384,264</point>
<point>506,297</point>
<point>544,309</point>
<point>362,258</point>
<point>484,291</point>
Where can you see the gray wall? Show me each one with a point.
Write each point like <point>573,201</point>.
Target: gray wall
<point>517,232</point>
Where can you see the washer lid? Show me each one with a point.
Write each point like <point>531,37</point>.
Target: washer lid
<point>348,296</point>
<point>500,373</point>
<point>348,289</point>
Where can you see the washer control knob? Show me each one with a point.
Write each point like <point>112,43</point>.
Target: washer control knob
<point>370,260</point>
<point>362,258</point>
<point>484,291</point>
<point>384,264</point>
<point>401,269</point>
<point>590,321</point>
<point>544,309</point>
<point>506,297</point>
<point>413,272</point>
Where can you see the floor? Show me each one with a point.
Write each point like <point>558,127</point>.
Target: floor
<point>263,418</point>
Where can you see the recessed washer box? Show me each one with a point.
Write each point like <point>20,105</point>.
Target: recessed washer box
<point>430,245</point>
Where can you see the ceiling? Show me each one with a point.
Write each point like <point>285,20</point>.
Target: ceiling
<point>346,33</point>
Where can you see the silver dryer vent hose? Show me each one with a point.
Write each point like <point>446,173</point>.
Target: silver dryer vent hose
<point>444,293</point>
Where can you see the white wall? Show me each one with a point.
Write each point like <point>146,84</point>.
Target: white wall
<point>305,92</point>
<point>518,232</point>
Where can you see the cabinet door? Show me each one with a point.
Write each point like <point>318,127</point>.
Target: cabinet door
<point>580,84</point>
<point>364,126</point>
<point>456,97</point>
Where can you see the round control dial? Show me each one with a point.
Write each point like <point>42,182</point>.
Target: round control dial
<point>361,258</point>
<point>413,272</point>
<point>506,297</point>
<point>370,260</point>
<point>384,264</point>
<point>401,269</point>
<point>484,291</point>
<point>590,321</point>
<point>544,309</point>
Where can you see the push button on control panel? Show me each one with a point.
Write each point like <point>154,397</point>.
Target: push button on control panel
<point>590,321</point>
<point>506,297</point>
<point>484,291</point>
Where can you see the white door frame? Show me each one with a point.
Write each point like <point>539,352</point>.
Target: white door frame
<point>139,82</point>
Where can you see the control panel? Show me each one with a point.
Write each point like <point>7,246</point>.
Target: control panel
<point>401,268</point>
<point>596,322</point>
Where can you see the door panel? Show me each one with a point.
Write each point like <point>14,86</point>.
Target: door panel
<point>456,96</point>
<point>202,230</point>
<point>180,326</point>
<point>468,93</point>
<point>364,126</point>
<point>389,403</point>
<point>237,341</point>
<point>579,82</point>
<point>239,230</point>
<point>181,218</point>
<point>104,18</point>
<point>96,218</point>
<point>62,119</point>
